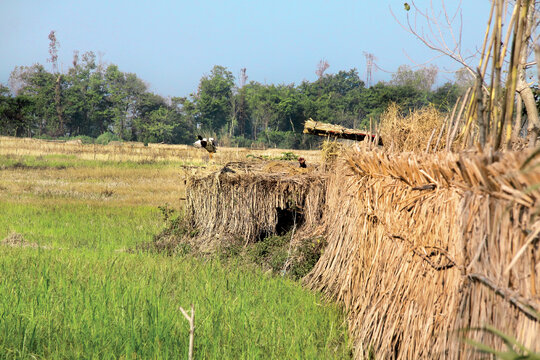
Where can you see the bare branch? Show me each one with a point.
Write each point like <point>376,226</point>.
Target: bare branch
<point>436,42</point>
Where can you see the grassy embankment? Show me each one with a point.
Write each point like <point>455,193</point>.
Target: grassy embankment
<point>71,293</point>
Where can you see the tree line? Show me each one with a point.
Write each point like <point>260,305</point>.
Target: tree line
<point>94,100</point>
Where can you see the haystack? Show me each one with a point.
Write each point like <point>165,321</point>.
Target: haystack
<point>420,130</point>
<point>253,200</point>
<point>421,248</point>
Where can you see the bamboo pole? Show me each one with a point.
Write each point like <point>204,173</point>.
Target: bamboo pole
<point>458,119</point>
<point>488,29</point>
<point>430,139</point>
<point>480,110</point>
<point>446,120</point>
<point>497,64</point>
<point>511,80</point>
<point>453,120</point>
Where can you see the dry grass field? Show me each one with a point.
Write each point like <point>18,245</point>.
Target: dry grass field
<point>121,174</point>
<point>137,152</point>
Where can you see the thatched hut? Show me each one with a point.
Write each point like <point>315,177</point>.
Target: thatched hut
<point>422,248</point>
<point>254,200</point>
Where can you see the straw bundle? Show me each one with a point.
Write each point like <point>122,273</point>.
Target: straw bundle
<point>338,132</point>
<point>420,248</point>
<point>249,200</point>
<point>421,129</point>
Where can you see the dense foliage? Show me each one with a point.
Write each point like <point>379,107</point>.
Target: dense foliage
<point>91,99</point>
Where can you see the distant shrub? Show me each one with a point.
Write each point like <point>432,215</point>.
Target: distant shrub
<point>288,156</point>
<point>106,138</point>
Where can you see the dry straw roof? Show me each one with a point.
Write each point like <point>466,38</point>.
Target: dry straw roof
<point>419,248</point>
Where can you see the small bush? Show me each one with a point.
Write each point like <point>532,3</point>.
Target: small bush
<point>106,138</point>
<point>288,156</point>
<point>273,253</point>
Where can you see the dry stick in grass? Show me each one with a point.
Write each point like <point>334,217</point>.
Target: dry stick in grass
<point>430,139</point>
<point>457,121</point>
<point>440,134</point>
<point>191,319</point>
<point>453,120</point>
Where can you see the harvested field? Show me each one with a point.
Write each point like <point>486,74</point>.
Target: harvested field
<point>133,151</point>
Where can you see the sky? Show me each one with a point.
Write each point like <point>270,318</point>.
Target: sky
<point>172,44</point>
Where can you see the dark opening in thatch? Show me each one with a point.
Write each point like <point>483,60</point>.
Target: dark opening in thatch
<point>287,220</point>
<point>255,201</point>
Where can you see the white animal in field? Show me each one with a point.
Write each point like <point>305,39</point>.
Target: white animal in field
<point>208,144</point>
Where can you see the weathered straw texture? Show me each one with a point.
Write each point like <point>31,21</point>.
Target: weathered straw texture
<point>419,248</point>
<point>421,130</point>
<point>245,203</point>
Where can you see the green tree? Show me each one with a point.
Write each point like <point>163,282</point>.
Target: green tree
<point>240,114</point>
<point>14,119</point>
<point>124,91</point>
<point>86,103</point>
<point>186,118</point>
<point>39,85</point>
<point>262,101</point>
<point>334,98</point>
<point>445,96</point>
<point>213,99</point>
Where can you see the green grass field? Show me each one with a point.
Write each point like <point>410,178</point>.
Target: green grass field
<point>74,292</point>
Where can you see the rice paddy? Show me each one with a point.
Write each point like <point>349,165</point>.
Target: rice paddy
<point>418,249</point>
<point>70,289</point>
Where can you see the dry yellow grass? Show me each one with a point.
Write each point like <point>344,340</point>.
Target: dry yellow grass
<point>131,151</point>
<point>421,247</point>
<point>143,184</point>
<point>121,186</point>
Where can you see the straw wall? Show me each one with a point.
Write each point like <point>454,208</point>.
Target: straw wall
<point>245,201</point>
<point>420,248</point>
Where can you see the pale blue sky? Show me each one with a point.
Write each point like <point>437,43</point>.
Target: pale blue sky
<point>171,44</point>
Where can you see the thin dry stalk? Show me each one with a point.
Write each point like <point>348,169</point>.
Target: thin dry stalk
<point>191,319</point>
